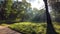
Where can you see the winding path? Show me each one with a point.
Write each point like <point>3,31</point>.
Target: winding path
<point>6,30</point>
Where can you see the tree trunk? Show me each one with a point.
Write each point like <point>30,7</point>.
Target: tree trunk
<point>2,10</point>
<point>50,28</point>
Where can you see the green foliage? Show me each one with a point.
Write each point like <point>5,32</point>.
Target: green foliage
<point>19,10</point>
<point>57,27</point>
<point>5,10</point>
<point>33,28</point>
<point>13,11</point>
<point>8,7</point>
<point>29,28</point>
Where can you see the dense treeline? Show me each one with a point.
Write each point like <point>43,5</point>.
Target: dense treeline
<point>20,11</point>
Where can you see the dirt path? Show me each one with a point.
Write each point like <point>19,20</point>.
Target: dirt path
<point>6,30</point>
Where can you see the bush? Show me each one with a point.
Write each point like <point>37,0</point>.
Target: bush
<point>29,28</point>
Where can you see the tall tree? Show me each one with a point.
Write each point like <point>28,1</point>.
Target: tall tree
<point>8,8</point>
<point>2,10</point>
<point>50,28</point>
<point>20,9</point>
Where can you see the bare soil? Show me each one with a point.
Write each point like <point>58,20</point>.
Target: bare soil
<point>6,30</point>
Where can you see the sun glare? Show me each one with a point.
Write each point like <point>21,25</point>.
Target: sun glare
<point>39,4</point>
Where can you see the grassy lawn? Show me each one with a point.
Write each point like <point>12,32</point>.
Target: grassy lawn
<point>33,28</point>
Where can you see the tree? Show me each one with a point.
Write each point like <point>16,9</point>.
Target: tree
<point>56,8</point>
<point>50,29</point>
<point>8,10</point>
<point>20,9</point>
<point>5,10</point>
<point>57,11</point>
<point>11,11</point>
<point>2,10</point>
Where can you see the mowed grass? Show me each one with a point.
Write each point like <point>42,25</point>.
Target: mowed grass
<point>33,28</point>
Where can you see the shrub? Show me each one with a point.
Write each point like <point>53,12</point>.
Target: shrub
<point>29,28</point>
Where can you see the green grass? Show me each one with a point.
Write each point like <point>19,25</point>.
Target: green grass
<point>33,28</point>
<point>57,27</point>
